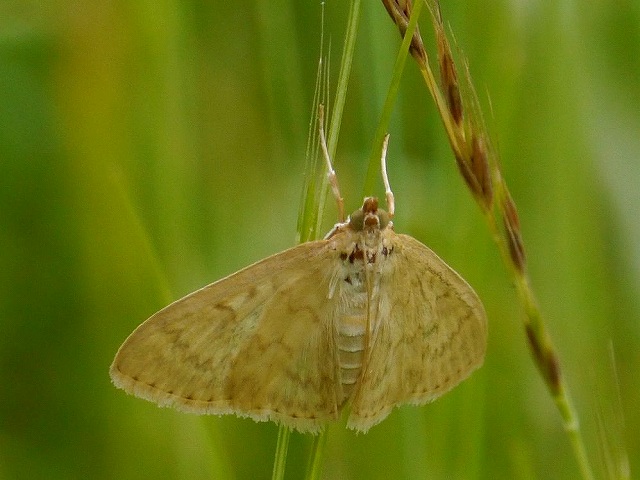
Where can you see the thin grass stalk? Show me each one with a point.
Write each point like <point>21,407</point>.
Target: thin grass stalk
<point>346,62</point>
<point>314,467</point>
<point>281,453</point>
<point>614,459</point>
<point>308,211</point>
<point>373,170</point>
<point>314,198</point>
<point>340,99</point>
<point>479,167</point>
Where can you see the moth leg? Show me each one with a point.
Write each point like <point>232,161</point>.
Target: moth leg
<point>391,204</point>
<point>331,173</point>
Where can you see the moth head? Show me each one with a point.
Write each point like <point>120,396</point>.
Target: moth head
<point>369,218</point>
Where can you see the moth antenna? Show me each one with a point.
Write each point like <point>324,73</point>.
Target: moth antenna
<point>391,204</point>
<point>331,173</point>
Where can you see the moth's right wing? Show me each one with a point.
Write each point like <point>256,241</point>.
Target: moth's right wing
<point>259,343</point>
<point>430,333</point>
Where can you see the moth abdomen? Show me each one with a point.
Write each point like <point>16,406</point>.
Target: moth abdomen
<point>351,343</point>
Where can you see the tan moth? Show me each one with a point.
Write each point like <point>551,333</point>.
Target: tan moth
<point>364,320</point>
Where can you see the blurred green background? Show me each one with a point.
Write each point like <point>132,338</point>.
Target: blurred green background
<point>149,148</point>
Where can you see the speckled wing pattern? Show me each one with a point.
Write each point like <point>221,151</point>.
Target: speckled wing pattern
<point>429,333</point>
<point>258,343</point>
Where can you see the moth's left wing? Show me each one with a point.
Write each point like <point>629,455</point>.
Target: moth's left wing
<point>258,343</point>
<point>429,334</point>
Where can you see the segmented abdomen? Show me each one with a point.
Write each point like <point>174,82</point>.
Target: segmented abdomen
<point>351,344</point>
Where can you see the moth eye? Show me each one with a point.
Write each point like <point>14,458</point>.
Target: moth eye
<point>356,220</point>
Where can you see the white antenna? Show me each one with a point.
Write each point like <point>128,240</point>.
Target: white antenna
<point>331,174</point>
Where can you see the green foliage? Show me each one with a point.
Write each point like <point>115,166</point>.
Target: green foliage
<point>147,149</point>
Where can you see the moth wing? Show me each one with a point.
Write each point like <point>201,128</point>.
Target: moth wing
<point>258,343</point>
<point>429,334</point>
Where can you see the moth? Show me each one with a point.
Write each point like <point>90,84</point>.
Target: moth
<point>361,321</point>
